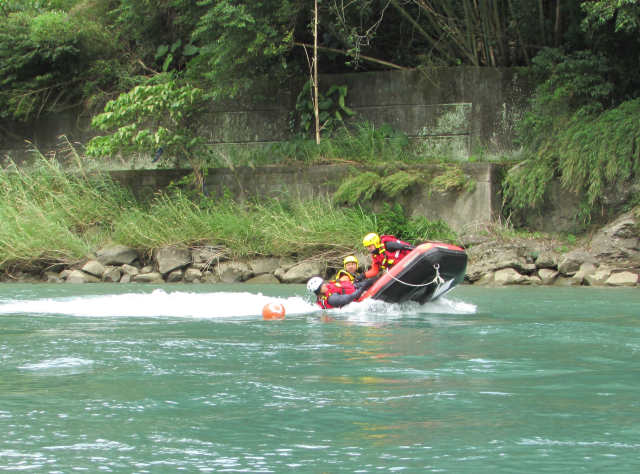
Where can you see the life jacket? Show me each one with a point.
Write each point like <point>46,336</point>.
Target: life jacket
<point>333,287</point>
<point>385,258</point>
<point>343,273</point>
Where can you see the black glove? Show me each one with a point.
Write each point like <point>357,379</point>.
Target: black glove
<point>409,247</point>
<point>359,277</point>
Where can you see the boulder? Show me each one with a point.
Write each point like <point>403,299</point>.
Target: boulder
<point>78,276</point>
<point>171,258</point>
<point>174,276</point>
<point>486,279</point>
<point>547,276</point>
<point>112,274</point>
<point>53,277</point>
<point>584,271</point>
<point>562,280</point>
<point>622,279</point>
<point>508,276</point>
<point>153,277</point>
<point>232,272</point>
<point>619,240</point>
<point>599,277</point>
<point>263,279</point>
<point>93,267</point>
<point>129,270</point>
<point>301,272</point>
<point>263,265</point>
<point>547,259</point>
<point>570,262</point>
<point>192,275</point>
<point>116,255</point>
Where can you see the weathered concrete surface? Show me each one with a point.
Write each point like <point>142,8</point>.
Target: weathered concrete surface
<point>450,112</point>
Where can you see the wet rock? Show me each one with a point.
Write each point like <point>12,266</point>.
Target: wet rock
<point>152,277</point>
<point>174,276</point>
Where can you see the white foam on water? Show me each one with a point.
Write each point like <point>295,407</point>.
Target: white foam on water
<point>59,363</point>
<point>375,311</point>
<point>160,303</point>
<point>184,304</point>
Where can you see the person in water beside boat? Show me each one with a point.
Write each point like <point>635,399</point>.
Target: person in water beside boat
<point>350,270</point>
<point>385,251</point>
<point>336,294</point>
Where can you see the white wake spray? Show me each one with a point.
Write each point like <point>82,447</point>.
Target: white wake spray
<point>184,304</point>
<point>160,303</point>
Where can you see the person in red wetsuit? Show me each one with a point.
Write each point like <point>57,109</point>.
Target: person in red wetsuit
<point>350,270</point>
<point>385,252</point>
<point>336,294</point>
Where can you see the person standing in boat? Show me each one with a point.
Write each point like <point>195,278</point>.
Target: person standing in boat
<point>385,252</point>
<point>336,294</point>
<point>350,270</point>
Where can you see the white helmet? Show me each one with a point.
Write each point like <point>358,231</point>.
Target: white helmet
<point>314,284</point>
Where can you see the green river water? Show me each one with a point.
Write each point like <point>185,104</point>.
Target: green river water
<point>134,378</point>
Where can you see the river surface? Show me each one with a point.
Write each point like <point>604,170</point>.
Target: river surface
<point>135,378</point>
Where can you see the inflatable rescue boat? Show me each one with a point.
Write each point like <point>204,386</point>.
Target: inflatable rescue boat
<point>426,273</point>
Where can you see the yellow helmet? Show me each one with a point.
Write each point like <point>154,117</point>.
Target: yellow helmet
<point>371,239</point>
<point>350,259</point>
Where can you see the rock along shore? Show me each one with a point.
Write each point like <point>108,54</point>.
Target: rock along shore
<point>611,257</point>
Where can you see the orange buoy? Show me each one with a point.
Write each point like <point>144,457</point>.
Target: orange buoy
<point>273,311</point>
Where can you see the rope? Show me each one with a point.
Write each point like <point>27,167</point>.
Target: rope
<point>438,280</point>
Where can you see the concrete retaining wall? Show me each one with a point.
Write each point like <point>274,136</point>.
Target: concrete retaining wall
<point>449,111</point>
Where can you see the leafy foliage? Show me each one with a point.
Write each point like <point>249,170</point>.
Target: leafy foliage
<point>241,43</point>
<point>591,155</point>
<point>332,108</point>
<point>46,59</point>
<point>152,117</point>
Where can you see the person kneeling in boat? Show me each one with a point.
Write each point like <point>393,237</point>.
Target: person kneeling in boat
<point>336,294</point>
<point>350,270</point>
<point>385,252</point>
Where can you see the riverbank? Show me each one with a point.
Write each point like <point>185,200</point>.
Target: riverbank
<point>609,257</point>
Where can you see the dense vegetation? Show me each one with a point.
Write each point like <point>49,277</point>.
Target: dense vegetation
<point>148,65</point>
<point>51,217</point>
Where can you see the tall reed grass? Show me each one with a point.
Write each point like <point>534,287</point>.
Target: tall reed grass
<point>50,216</point>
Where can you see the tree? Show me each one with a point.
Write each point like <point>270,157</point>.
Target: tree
<point>48,60</point>
<point>156,118</point>
<point>241,43</point>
